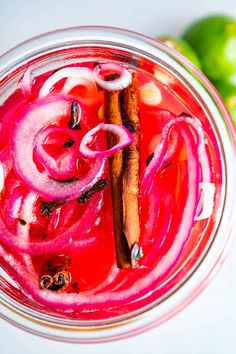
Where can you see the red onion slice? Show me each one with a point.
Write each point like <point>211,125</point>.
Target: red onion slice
<point>77,235</point>
<point>12,212</point>
<point>6,164</point>
<point>2,177</point>
<point>66,167</point>
<point>69,72</point>
<point>26,83</point>
<point>23,230</point>
<point>161,150</point>
<point>207,200</point>
<point>89,97</point>
<point>27,208</point>
<point>189,211</point>
<point>123,81</point>
<point>152,204</point>
<point>202,142</point>
<point>32,119</point>
<point>125,139</point>
<point>154,165</point>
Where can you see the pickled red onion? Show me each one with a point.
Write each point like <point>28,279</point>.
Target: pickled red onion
<point>27,208</point>
<point>203,155</point>
<point>63,169</point>
<point>125,139</point>
<point>26,83</point>
<point>2,177</point>
<point>32,119</point>
<point>152,201</point>
<point>76,235</point>
<point>208,192</point>
<point>69,72</point>
<point>61,216</point>
<point>14,206</point>
<point>123,81</point>
<point>90,95</point>
<point>164,263</point>
<point>6,164</point>
<point>161,150</point>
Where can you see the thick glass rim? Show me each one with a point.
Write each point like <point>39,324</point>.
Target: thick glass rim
<point>74,331</point>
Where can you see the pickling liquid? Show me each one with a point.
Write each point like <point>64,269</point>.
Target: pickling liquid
<point>80,236</point>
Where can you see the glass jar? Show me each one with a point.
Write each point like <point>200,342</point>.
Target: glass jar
<point>178,75</point>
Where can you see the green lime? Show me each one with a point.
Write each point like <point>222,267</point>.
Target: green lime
<point>228,93</point>
<point>214,40</point>
<point>183,47</point>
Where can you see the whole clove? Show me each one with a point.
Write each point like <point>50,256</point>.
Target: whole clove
<point>74,122</point>
<point>97,187</point>
<point>68,143</point>
<point>149,159</point>
<point>46,208</point>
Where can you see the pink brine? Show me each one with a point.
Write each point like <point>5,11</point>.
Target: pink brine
<point>108,185</point>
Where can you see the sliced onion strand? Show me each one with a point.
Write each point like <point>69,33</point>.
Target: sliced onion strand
<point>125,139</point>
<point>208,193</point>
<point>76,73</point>
<point>26,83</point>
<point>44,112</point>
<point>120,83</point>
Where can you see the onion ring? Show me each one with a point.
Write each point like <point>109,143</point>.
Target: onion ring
<point>123,81</point>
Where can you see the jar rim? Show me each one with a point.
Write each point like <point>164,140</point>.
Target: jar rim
<point>197,280</point>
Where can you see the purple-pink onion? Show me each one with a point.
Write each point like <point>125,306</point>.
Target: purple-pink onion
<point>125,138</point>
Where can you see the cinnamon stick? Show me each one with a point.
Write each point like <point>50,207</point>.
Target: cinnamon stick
<point>130,178</point>
<point>113,115</point>
<point>55,274</point>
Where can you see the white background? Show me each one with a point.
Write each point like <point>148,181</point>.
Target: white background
<point>208,325</point>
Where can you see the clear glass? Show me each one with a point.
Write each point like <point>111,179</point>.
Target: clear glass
<point>177,74</point>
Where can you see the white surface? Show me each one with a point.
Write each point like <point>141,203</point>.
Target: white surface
<point>208,325</point>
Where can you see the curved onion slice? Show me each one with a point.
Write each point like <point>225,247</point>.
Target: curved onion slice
<point>89,97</point>
<point>187,220</point>
<point>26,83</point>
<point>207,200</point>
<point>32,119</point>
<point>125,138</point>
<point>69,72</point>
<point>6,163</point>
<point>28,205</point>
<point>123,81</point>
<point>65,168</point>
<point>203,155</point>
<point>14,206</point>
<point>74,236</point>
<point>2,177</point>
<point>161,150</point>
<point>164,261</point>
